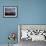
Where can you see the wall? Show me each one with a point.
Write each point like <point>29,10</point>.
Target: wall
<point>7,25</point>
<point>29,12</point>
<point>32,12</point>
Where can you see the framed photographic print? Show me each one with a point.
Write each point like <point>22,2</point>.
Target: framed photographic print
<point>10,11</point>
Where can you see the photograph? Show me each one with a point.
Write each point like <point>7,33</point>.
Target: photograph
<point>10,11</point>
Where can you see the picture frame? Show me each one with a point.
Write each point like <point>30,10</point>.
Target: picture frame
<point>10,11</point>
